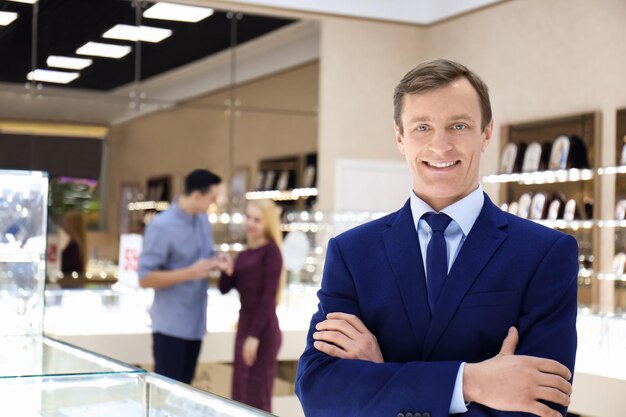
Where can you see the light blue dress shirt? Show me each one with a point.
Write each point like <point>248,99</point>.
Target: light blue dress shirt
<point>174,240</point>
<point>463,214</point>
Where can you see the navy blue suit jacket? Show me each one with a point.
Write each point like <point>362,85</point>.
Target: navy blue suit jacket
<point>509,272</point>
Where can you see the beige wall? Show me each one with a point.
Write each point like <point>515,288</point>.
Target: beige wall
<point>276,116</point>
<point>360,64</point>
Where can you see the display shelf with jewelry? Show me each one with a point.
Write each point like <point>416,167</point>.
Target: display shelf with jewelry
<point>547,174</point>
<point>290,181</point>
<point>617,225</point>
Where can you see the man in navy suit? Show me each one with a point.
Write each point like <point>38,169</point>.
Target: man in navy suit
<point>448,305</point>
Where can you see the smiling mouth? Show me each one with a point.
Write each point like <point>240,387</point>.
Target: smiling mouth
<point>441,164</point>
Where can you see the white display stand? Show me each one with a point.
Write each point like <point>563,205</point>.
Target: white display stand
<point>130,249</point>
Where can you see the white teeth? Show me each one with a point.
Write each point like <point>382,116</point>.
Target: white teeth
<point>441,164</point>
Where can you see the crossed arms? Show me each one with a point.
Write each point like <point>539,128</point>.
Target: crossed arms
<point>528,375</point>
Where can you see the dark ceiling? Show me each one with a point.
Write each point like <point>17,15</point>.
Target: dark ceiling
<point>65,25</point>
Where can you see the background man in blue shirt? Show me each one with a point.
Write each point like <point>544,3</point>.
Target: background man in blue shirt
<point>449,305</point>
<point>176,260</point>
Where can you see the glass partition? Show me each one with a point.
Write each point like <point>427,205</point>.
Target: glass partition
<point>23,220</point>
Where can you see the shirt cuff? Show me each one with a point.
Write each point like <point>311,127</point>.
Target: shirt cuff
<point>458,401</point>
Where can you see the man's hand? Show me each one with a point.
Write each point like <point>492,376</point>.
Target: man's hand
<point>201,268</point>
<point>510,382</point>
<point>225,263</point>
<point>250,350</point>
<point>345,336</point>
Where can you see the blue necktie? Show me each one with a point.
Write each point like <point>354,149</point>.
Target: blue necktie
<point>436,256</point>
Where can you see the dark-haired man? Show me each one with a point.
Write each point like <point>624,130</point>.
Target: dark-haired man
<point>448,305</point>
<point>176,260</point>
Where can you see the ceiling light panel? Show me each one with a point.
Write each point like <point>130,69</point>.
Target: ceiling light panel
<point>68,62</point>
<point>105,50</point>
<point>6,18</point>
<point>177,12</point>
<point>48,76</point>
<point>25,1</point>
<point>137,33</point>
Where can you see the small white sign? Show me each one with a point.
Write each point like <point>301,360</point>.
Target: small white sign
<point>53,256</point>
<point>130,249</point>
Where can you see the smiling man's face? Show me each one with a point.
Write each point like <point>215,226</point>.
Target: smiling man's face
<point>442,141</point>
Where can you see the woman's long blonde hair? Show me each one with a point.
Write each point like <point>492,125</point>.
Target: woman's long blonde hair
<point>270,216</point>
<point>74,225</point>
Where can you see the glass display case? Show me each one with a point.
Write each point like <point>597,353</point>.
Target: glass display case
<point>41,377</point>
<point>601,345</point>
<point>23,217</point>
<point>120,310</point>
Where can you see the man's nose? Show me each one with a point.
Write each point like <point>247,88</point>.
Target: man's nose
<point>440,143</point>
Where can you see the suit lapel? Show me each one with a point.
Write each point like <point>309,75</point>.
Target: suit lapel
<point>482,242</point>
<point>403,251</point>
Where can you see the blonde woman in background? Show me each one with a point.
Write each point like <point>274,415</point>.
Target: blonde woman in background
<point>258,276</point>
<point>74,256</point>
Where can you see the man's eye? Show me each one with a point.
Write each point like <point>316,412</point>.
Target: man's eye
<point>459,126</point>
<point>421,128</point>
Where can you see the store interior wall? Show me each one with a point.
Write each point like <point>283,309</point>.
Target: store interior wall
<point>360,64</point>
<point>540,59</point>
<point>275,116</point>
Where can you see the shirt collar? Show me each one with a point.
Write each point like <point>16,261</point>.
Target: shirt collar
<point>180,213</point>
<point>464,212</point>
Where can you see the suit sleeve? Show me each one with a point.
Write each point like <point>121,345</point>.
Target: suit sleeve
<point>329,387</point>
<point>547,324</point>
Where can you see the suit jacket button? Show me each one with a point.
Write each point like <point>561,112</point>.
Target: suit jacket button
<point>408,415</point>
<point>417,415</point>
<point>426,414</point>
<point>400,415</point>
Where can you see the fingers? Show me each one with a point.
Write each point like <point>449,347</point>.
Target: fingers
<point>330,350</point>
<point>553,367</point>
<point>543,410</point>
<point>336,338</point>
<point>338,326</point>
<point>556,382</point>
<point>353,320</point>
<point>510,342</point>
<point>553,395</point>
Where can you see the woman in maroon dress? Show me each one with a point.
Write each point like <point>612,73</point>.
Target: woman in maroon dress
<point>258,276</point>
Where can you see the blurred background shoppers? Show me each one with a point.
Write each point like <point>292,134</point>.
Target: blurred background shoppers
<point>258,276</point>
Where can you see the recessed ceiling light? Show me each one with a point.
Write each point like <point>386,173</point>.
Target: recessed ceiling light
<point>25,1</point>
<point>177,12</point>
<point>67,62</point>
<point>48,76</point>
<point>137,33</point>
<point>105,50</point>
<point>7,17</point>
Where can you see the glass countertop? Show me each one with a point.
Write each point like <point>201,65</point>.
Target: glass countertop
<point>36,356</point>
<point>601,345</point>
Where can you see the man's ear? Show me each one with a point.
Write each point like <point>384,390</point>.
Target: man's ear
<point>487,135</point>
<point>399,139</point>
